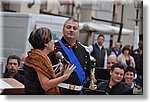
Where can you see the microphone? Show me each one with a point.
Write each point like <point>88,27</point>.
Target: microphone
<point>60,56</point>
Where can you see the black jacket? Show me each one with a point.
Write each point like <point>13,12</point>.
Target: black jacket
<point>32,84</point>
<point>99,55</point>
<point>83,57</point>
<point>19,77</point>
<point>118,89</point>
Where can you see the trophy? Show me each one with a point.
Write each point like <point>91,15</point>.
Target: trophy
<point>93,81</point>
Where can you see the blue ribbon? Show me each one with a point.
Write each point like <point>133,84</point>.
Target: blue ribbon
<point>73,59</point>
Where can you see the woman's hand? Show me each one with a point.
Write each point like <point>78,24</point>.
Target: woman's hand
<point>68,69</point>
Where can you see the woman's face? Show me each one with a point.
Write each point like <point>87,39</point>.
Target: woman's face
<point>50,46</point>
<point>126,51</point>
<point>129,77</point>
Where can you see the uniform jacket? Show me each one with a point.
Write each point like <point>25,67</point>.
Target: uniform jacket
<point>83,57</point>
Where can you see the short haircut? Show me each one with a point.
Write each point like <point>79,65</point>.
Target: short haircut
<point>130,69</point>
<point>117,65</point>
<point>14,57</point>
<point>70,19</point>
<point>100,35</point>
<point>39,37</point>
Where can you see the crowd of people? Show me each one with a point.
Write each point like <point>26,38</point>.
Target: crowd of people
<point>125,65</point>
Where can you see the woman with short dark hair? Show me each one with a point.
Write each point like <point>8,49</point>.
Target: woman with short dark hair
<point>38,67</point>
<point>125,58</point>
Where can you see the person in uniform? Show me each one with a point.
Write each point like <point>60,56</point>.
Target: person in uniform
<point>75,53</point>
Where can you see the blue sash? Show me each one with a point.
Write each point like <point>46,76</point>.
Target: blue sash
<point>79,70</point>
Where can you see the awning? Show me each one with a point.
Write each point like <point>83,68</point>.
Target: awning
<point>103,28</point>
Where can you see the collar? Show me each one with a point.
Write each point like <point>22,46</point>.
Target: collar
<point>100,46</point>
<point>132,85</point>
<point>12,74</point>
<point>115,49</point>
<point>114,86</point>
<point>68,45</point>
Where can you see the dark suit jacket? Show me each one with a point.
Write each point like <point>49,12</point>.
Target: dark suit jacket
<point>118,89</point>
<point>19,77</point>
